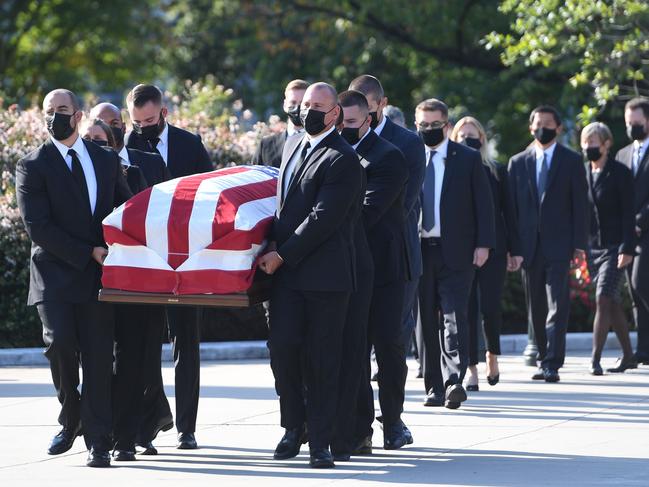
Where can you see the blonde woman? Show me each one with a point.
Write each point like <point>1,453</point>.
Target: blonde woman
<point>611,241</point>
<point>489,279</point>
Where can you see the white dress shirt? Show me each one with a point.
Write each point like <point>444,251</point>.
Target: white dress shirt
<point>314,141</point>
<point>638,155</point>
<point>361,139</point>
<point>439,161</point>
<point>86,165</point>
<point>163,143</point>
<point>292,129</point>
<point>123,157</point>
<point>549,152</point>
<point>379,128</point>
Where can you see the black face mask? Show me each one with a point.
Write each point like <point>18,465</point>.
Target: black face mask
<point>118,133</point>
<point>636,132</point>
<point>150,132</point>
<point>313,120</point>
<point>545,135</point>
<point>593,153</point>
<point>294,116</point>
<point>473,143</point>
<point>58,125</point>
<point>375,120</point>
<point>432,137</point>
<point>102,143</point>
<point>352,135</point>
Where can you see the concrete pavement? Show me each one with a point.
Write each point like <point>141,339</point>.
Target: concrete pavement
<point>584,431</point>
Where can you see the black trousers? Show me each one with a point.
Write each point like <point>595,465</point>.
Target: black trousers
<point>443,306</point>
<point>638,277</point>
<point>184,333</point>
<point>83,333</point>
<point>354,380</point>
<point>548,306</point>
<point>485,305</point>
<point>305,342</point>
<point>138,339</point>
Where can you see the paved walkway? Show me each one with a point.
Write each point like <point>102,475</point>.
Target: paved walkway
<point>584,431</point>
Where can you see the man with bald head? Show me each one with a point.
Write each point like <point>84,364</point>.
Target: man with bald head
<point>65,188</point>
<point>312,257</point>
<point>141,408</point>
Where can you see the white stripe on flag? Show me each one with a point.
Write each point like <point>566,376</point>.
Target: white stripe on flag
<point>251,213</point>
<point>224,260</point>
<point>134,256</point>
<point>157,216</point>
<point>205,201</point>
<point>114,219</point>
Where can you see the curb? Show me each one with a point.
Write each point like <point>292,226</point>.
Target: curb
<point>251,350</point>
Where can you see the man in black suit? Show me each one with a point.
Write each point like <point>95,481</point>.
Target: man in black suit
<point>65,188</point>
<point>548,187</point>
<point>457,231</point>
<point>269,151</point>
<point>184,154</point>
<point>314,265</point>
<point>634,156</point>
<point>384,220</point>
<point>139,330</point>
<point>414,157</point>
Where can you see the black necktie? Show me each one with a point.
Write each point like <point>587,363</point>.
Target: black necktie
<point>428,210</point>
<point>153,143</point>
<point>79,175</point>
<point>543,177</point>
<point>299,162</point>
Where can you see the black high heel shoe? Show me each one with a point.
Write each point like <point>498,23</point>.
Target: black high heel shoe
<point>596,368</point>
<point>493,380</point>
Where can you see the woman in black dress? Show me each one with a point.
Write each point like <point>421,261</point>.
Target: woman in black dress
<point>486,293</point>
<point>611,241</point>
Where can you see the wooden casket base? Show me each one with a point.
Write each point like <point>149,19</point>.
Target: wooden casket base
<point>257,293</point>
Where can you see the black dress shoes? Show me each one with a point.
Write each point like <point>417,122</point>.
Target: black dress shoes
<point>342,456</point>
<point>290,444</point>
<point>548,375</point>
<point>394,436</point>
<point>98,458</point>
<point>124,455</point>
<point>621,365</point>
<point>407,433</point>
<point>149,449</point>
<point>321,458</point>
<point>364,446</point>
<point>434,400</point>
<point>595,368</point>
<point>186,441</point>
<point>472,387</point>
<point>63,441</point>
<point>455,396</point>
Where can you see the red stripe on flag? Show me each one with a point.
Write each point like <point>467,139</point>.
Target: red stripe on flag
<point>134,216</point>
<point>114,235</point>
<point>138,279</point>
<point>181,207</point>
<point>242,239</point>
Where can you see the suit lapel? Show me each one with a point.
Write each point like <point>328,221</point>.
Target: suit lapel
<point>554,168</point>
<point>173,157</point>
<point>64,171</point>
<point>530,165</point>
<point>449,168</point>
<point>292,143</point>
<point>365,147</point>
<point>643,163</point>
<point>299,171</point>
<point>101,175</point>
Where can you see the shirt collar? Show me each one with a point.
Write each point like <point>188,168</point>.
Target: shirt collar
<point>637,143</point>
<point>361,139</point>
<point>123,155</point>
<point>314,141</point>
<point>441,149</point>
<point>379,128</point>
<point>292,129</point>
<point>78,147</point>
<point>549,152</point>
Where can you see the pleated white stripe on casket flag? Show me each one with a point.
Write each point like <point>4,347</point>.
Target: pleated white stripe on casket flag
<point>198,234</point>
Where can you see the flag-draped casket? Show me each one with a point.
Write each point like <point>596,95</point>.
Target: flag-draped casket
<point>198,234</point>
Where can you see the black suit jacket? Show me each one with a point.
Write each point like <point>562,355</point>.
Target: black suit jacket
<point>612,208</point>
<point>384,213</point>
<point>414,154</point>
<point>151,164</point>
<point>313,227</point>
<point>186,155</point>
<point>59,222</point>
<point>559,225</point>
<point>506,234</point>
<point>466,207</point>
<point>641,186</point>
<point>269,151</point>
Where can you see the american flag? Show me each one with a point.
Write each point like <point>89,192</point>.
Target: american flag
<point>198,234</point>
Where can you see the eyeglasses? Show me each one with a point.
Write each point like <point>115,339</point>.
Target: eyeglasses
<point>433,125</point>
